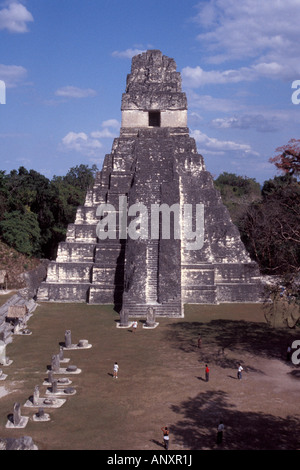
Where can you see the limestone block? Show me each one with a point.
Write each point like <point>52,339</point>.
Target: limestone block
<point>135,118</point>
<point>85,233</point>
<point>102,294</point>
<point>76,252</point>
<point>67,292</point>
<point>86,215</point>
<point>69,272</point>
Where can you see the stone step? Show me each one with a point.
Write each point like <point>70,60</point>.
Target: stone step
<point>159,311</point>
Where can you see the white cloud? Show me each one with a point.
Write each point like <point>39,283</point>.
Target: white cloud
<point>15,17</point>
<point>249,28</point>
<point>75,92</point>
<point>111,123</point>
<point>211,103</point>
<point>128,53</point>
<point>259,122</point>
<point>265,32</point>
<point>214,145</point>
<point>195,77</point>
<point>105,132</point>
<point>89,144</point>
<point>12,75</point>
<point>82,143</point>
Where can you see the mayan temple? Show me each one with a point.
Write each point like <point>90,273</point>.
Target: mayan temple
<point>155,162</point>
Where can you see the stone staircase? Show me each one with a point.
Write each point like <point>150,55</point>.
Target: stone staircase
<point>152,271</point>
<point>170,308</point>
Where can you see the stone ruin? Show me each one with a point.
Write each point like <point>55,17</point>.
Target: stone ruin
<point>56,388</point>
<point>153,161</point>
<point>16,420</point>
<point>35,401</point>
<point>68,345</point>
<point>20,443</point>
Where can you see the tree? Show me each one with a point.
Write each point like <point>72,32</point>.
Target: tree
<point>4,193</point>
<point>36,211</point>
<point>237,192</point>
<point>287,159</point>
<point>277,184</point>
<point>81,176</point>
<point>21,231</point>
<point>270,228</point>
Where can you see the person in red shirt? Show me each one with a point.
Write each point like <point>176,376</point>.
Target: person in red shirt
<point>206,373</point>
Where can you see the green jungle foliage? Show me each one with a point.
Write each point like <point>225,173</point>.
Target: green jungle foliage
<point>35,211</point>
<point>268,219</point>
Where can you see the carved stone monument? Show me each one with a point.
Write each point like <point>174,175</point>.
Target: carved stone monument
<point>55,363</point>
<point>54,386</point>
<point>36,396</point>
<point>153,162</point>
<point>68,339</point>
<point>150,319</point>
<point>4,360</point>
<point>41,416</point>
<point>82,343</point>
<point>16,420</point>
<point>17,414</point>
<point>36,401</point>
<point>50,377</point>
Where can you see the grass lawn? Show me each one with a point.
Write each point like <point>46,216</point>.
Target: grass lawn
<point>161,380</point>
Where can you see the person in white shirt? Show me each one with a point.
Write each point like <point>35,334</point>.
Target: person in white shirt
<point>166,436</point>
<point>220,433</point>
<point>239,373</point>
<point>116,370</point>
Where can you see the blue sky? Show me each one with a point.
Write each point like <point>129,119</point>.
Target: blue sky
<point>65,62</point>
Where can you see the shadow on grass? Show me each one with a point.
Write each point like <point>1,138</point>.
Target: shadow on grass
<point>295,374</point>
<point>159,444</point>
<point>197,429</point>
<point>221,336</point>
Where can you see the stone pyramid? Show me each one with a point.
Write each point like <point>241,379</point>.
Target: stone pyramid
<point>154,162</point>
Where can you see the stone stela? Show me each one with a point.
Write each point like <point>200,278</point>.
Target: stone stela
<point>56,387</point>
<point>68,345</point>
<point>16,420</point>
<point>150,319</point>
<point>153,161</point>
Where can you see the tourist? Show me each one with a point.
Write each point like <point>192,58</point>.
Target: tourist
<point>288,353</point>
<point>220,433</point>
<point>166,436</point>
<point>239,373</point>
<point>134,326</point>
<point>206,373</point>
<point>199,341</point>
<point>116,370</point>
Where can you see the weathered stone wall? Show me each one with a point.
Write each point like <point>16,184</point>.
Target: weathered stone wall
<point>140,118</point>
